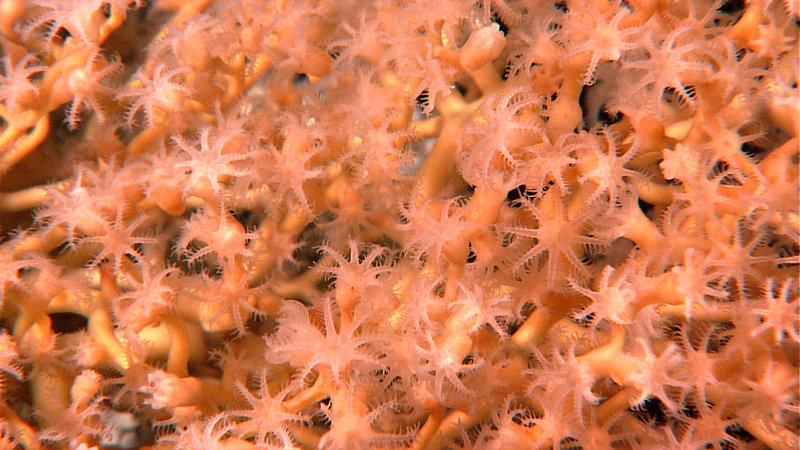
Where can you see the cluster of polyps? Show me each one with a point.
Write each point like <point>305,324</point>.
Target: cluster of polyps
<point>490,224</point>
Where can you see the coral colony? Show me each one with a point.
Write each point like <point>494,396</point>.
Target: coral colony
<point>450,224</point>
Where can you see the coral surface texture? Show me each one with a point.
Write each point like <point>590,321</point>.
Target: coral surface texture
<point>399,224</point>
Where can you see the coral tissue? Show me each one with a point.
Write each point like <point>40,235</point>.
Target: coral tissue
<point>490,224</point>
